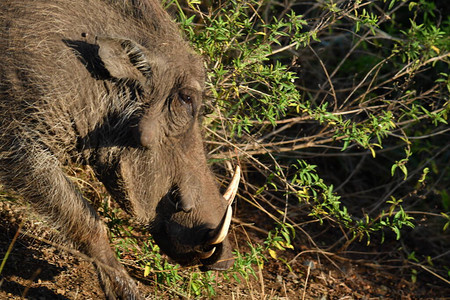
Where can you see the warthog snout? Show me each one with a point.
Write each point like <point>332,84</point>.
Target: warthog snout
<point>201,242</point>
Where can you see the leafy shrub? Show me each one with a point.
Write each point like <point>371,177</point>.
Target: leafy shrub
<point>339,108</point>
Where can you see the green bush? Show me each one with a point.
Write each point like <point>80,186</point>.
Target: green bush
<point>339,108</point>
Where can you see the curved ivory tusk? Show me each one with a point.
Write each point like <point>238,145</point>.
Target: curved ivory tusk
<point>232,189</point>
<point>205,255</point>
<point>222,234</point>
<point>229,195</point>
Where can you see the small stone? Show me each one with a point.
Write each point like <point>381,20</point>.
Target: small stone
<point>310,264</point>
<point>279,278</point>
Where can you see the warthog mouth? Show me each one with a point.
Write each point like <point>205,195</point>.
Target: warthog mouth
<point>198,245</point>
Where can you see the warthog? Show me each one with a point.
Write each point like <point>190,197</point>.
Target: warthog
<point>113,85</point>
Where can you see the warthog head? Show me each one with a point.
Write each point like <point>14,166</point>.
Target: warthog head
<point>162,173</point>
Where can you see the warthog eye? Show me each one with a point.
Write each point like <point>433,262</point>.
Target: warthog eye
<point>185,98</point>
<point>188,102</point>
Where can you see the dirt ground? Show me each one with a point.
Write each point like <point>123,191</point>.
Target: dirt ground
<point>38,269</point>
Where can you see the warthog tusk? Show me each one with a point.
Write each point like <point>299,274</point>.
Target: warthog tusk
<point>229,197</point>
<point>222,234</point>
<point>205,255</point>
<point>232,189</point>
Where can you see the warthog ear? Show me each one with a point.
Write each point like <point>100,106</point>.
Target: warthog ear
<point>124,59</point>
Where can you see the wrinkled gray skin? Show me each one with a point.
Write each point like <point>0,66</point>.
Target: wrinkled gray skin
<point>110,84</point>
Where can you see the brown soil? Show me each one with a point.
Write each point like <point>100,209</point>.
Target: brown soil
<point>43,270</point>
